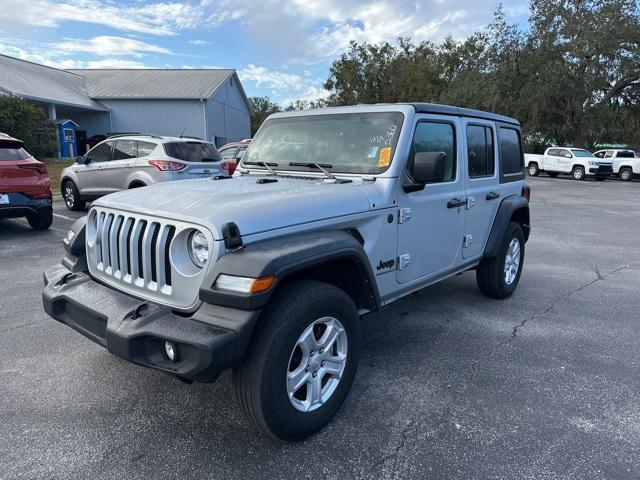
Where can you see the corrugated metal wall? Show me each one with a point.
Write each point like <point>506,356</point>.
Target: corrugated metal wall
<point>160,117</point>
<point>227,113</point>
<point>95,123</point>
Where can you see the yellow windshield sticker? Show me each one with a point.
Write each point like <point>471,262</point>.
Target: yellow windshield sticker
<point>384,157</point>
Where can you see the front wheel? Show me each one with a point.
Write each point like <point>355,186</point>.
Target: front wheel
<point>302,361</point>
<point>71,196</point>
<point>533,169</point>
<point>626,174</point>
<point>498,277</point>
<point>577,173</point>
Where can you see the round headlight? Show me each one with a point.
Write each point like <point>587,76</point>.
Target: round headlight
<point>198,248</point>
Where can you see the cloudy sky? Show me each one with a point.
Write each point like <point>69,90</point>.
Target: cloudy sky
<point>280,48</point>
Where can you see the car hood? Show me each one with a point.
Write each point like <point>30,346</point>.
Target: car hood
<point>255,207</point>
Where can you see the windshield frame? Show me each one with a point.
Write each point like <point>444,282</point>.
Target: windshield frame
<point>283,166</point>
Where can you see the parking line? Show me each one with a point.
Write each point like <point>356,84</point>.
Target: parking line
<point>64,216</point>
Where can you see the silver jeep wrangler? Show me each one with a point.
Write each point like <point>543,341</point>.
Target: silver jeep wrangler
<point>332,214</point>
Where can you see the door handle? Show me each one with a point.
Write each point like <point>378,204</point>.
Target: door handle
<point>492,195</point>
<point>456,203</point>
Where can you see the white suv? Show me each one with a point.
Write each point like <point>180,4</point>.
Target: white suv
<point>130,161</point>
<point>575,161</point>
<point>626,163</point>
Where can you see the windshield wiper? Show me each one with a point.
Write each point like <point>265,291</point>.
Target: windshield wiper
<point>266,165</point>
<point>320,166</point>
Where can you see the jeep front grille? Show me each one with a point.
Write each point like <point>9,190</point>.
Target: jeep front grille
<point>134,250</point>
<point>133,253</point>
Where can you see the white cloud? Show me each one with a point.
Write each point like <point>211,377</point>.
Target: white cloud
<point>106,45</point>
<point>199,43</point>
<point>275,80</point>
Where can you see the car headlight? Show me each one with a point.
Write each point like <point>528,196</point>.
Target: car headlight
<point>198,248</point>
<point>593,162</point>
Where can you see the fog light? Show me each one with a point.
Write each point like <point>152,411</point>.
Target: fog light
<point>171,350</point>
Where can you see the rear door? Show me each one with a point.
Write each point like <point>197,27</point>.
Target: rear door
<point>481,184</point>
<point>550,160</point>
<point>430,234</point>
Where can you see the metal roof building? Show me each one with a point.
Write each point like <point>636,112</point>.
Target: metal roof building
<point>206,103</point>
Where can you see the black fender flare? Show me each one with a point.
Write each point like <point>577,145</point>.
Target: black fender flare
<point>283,257</point>
<point>510,206</point>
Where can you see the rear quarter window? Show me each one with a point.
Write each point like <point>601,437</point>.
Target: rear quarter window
<point>192,151</point>
<point>511,157</point>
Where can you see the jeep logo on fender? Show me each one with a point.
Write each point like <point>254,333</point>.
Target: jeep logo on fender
<point>385,264</point>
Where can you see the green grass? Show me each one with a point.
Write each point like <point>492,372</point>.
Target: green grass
<point>55,167</point>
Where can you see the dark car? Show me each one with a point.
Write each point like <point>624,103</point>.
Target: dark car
<point>25,189</point>
<point>232,153</point>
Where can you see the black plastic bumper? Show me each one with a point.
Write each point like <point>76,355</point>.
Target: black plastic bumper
<point>208,342</point>
<point>21,205</point>
<point>601,171</point>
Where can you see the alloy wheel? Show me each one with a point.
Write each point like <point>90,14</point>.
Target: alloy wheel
<point>512,261</point>
<point>317,364</point>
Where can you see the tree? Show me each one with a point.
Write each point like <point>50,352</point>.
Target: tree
<point>262,107</point>
<point>29,123</point>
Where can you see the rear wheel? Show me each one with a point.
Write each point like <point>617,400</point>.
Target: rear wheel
<point>533,169</point>
<point>302,362</point>
<point>71,196</point>
<point>578,173</point>
<point>626,174</point>
<point>498,277</point>
<point>41,221</point>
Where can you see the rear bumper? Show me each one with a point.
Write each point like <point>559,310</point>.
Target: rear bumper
<point>21,205</point>
<point>207,342</point>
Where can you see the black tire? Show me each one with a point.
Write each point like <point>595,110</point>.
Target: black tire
<point>626,174</point>
<point>533,169</point>
<point>260,381</point>
<point>42,221</point>
<point>552,174</point>
<point>490,274</point>
<point>578,173</point>
<point>71,196</point>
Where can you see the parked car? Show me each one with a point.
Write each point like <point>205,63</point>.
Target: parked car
<point>331,214</point>
<point>626,163</point>
<point>131,161</point>
<point>233,152</point>
<point>577,162</point>
<point>25,189</point>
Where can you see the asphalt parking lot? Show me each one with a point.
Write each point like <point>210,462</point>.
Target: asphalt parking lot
<point>450,385</point>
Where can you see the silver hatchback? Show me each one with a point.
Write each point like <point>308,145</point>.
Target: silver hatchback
<point>131,161</point>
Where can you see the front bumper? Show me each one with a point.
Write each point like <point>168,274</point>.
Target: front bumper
<point>208,342</point>
<point>21,205</point>
<point>601,170</point>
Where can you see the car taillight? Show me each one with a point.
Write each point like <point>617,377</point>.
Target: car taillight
<point>526,192</point>
<point>166,165</point>
<point>224,165</point>
<point>39,167</point>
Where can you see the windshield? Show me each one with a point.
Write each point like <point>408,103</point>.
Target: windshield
<point>582,153</point>
<point>192,151</point>
<point>361,143</point>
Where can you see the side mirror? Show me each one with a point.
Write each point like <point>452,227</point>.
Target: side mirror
<point>428,167</point>
<point>81,159</point>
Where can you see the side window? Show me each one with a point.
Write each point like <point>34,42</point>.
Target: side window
<point>480,151</point>
<point>599,154</point>
<point>609,154</point>
<point>554,152</point>
<point>625,154</point>
<point>145,148</point>
<point>101,153</point>
<point>435,137</point>
<point>565,153</point>
<point>229,153</point>
<point>125,149</point>
<point>511,156</point>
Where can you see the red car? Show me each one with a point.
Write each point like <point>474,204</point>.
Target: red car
<point>233,152</point>
<point>25,189</point>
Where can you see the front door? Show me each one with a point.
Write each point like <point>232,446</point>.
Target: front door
<point>89,180</point>
<point>115,173</point>
<point>481,185</point>
<point>430,235</point>
<point>565,160</point>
